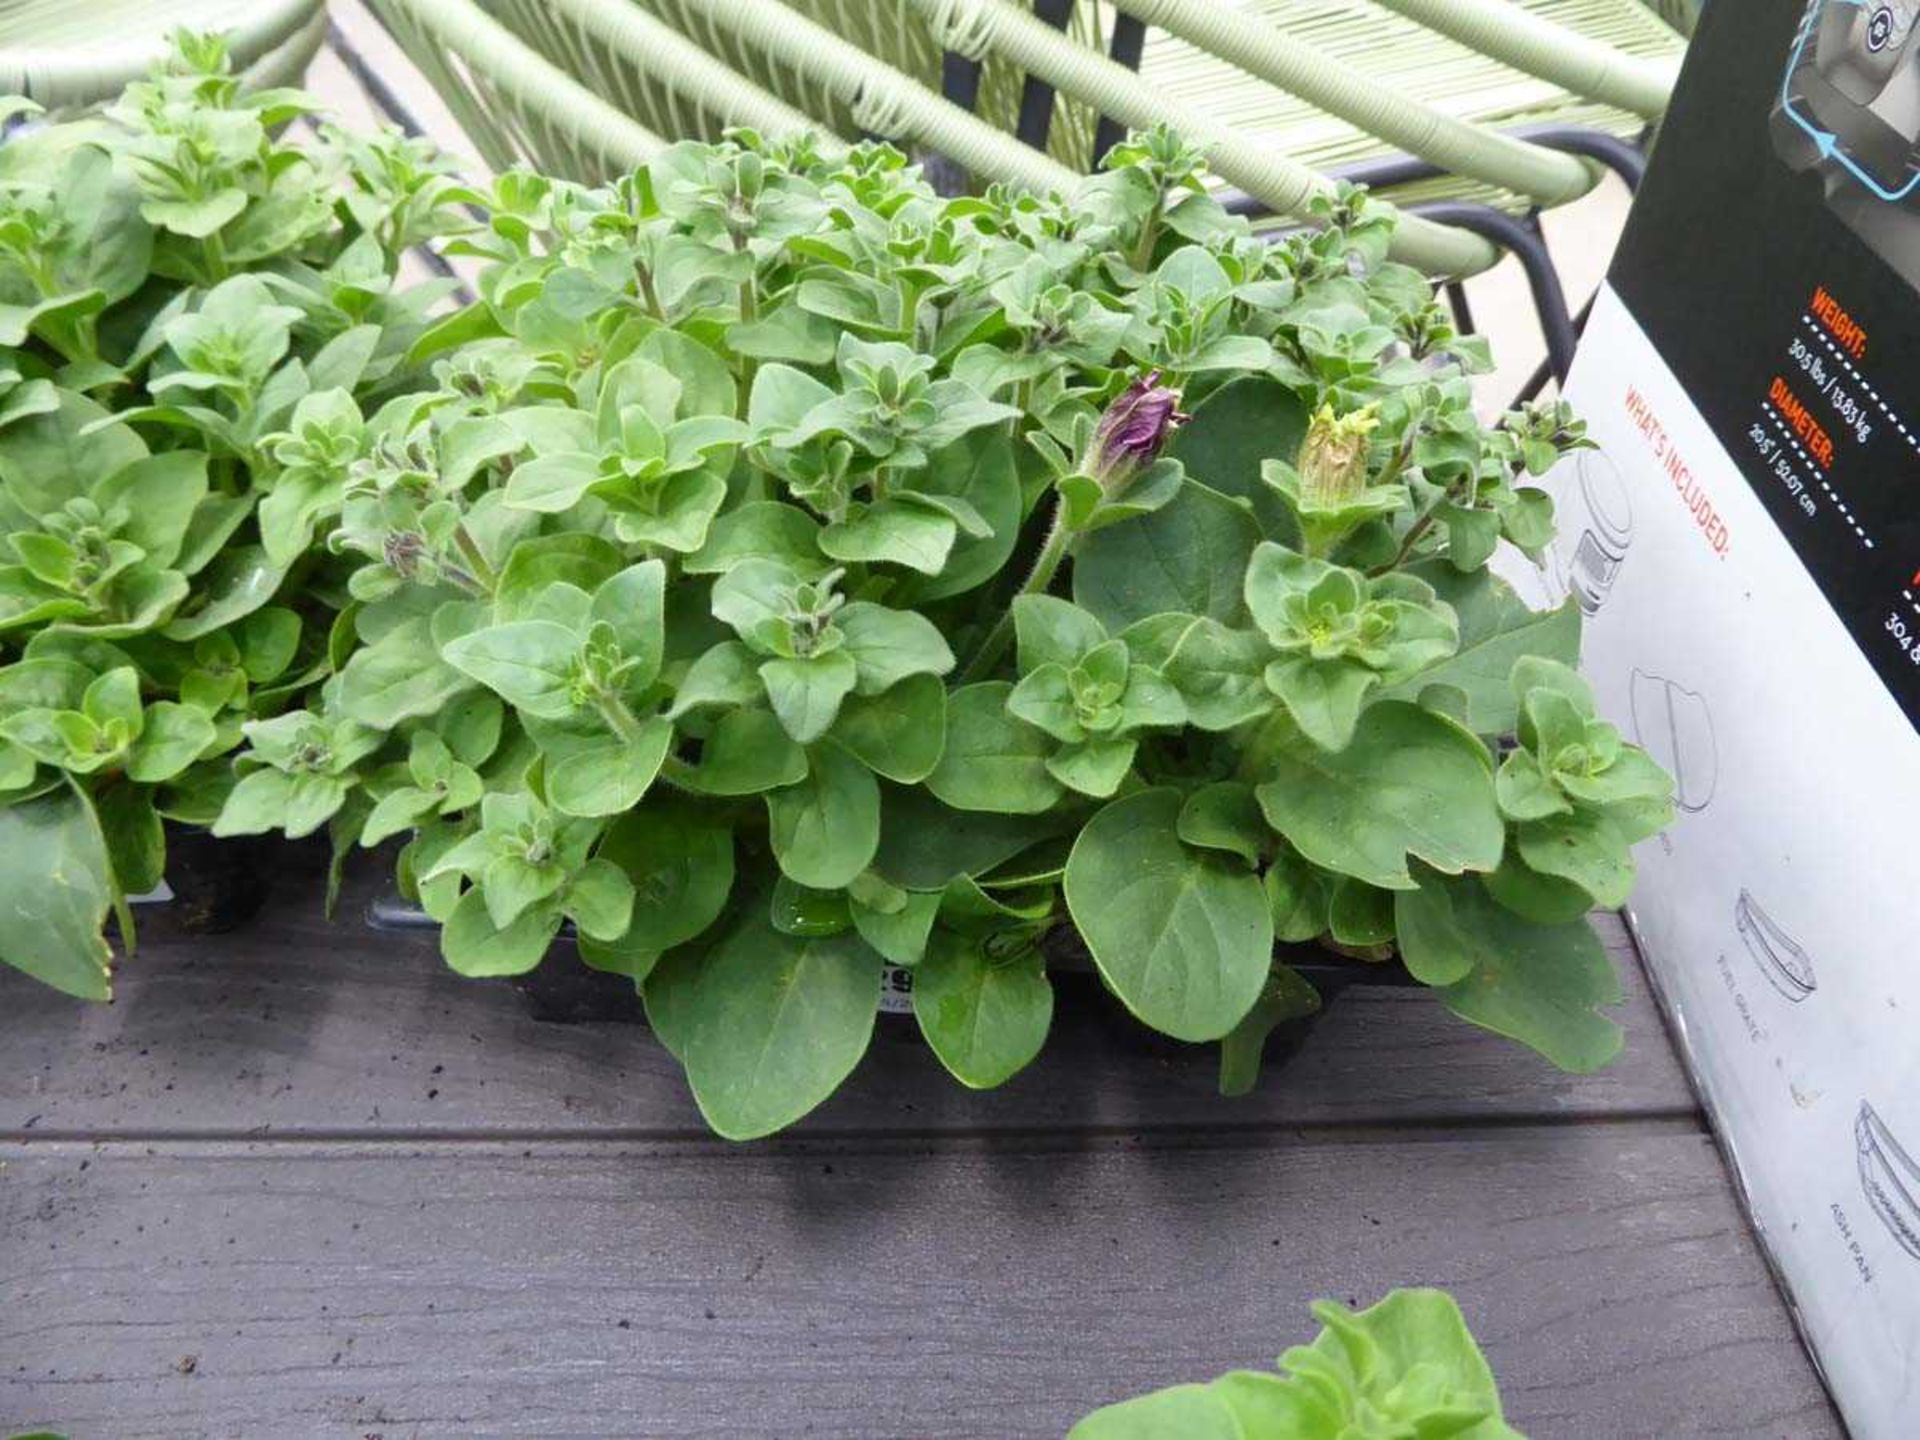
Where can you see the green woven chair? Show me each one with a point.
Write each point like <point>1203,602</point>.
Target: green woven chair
<point>1337,83</point>
<point>69,54</point>
<point>1340,83</point>
<point>584,88</point>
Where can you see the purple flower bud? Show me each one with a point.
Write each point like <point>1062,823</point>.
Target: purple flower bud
<point>1133,431</point>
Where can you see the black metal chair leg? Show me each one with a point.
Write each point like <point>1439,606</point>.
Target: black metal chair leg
<point>1129,39</point>
<point>1537,381</point>
<point>1036,95</point>
<point>1462,311</point>
<point>1523,240</point>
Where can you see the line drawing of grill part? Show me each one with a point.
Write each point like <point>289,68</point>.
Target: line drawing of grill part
<point>1675,726</point>
<point>1889,1177</point>
<point>1780,958</point>
<point>1594,503</point>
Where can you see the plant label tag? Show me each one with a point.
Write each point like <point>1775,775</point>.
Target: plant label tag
<point>159,895</point>
<point>896,990</point>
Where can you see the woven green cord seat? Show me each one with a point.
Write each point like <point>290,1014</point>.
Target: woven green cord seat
<point>514,103</point>
<point>286,63</point>
<point>67,54</point>
<point>1527,42</point>
<point>653,71</point>
<point>1259,46</point>
<point>978,26</point>
<point>879,98</point>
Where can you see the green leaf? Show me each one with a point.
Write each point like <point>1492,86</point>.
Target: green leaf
<point>680,860</point>
<point>160,493</point>
<point>726,674</point>
<point>528,663</point>
<point>746,752</point>
<point>1180,1412</point>
<point>1543,899</point>
<point>398,677</point>
<point>889,645</point>
<point>1496,628</point>
<point>825,829</point>
<point>56,888</point>
<point>592,772</point>
<point>781,396</point>
<point>583,561</point>
<point>1094,767</point>
<point>1404,1367</point>
<point>135,837</point>
<point>925,845</point>
<point>1232,431</point>
<point>273,800</point>
<point>1410,783</point>
<point>900,936</point>
<point>599,901</point>
<point>1286,996</point>
<point>1051,631</point>
<point>893,531</point>
<point>1360,914</point>
<point>236,584</point>
<point>1538,984</point>
<point>768,1025</point>
<point>992,761</point>
<point>680,515</point>
<point>706,384</point>
<point>899,733</point>
<point>806,692</point>
<point>1324,697</point>
<point>1472,536</point>
<point>550,484</point>
<point>1219,672</point>
<point>1188,556</point>
<point>763,530</point>
<point>1225,816</point>
<point>634,604</point>
<point>47,459</point>
<point>268,641</point>
<point>984,1016</point>
<point>476,947</point>
<point>980,471</point>
<point>172,738</point>
<point>1183,936</point>
<point>1584,848</point>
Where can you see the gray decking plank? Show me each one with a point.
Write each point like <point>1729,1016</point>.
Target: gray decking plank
<point>297,1025</point>
<point>879,1290</point>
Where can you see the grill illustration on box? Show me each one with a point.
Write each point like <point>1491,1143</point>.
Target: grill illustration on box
<point>1890,1178</point>
<point>1674,725</point>
<point>1776,953</point>
<point>1594,508</point>
<point>1849,109</point>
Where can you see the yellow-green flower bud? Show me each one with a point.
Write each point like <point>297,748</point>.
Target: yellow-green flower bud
<point>1333,457</point>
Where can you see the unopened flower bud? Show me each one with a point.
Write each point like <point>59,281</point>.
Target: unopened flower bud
<point>1133,431</point>
<point>1333,457</point>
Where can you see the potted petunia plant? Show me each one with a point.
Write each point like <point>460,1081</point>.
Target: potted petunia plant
<point>781,572</point>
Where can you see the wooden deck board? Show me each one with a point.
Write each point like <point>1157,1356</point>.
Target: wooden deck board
<point>862,1289</point>
<point>302,1180</point>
